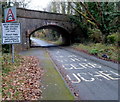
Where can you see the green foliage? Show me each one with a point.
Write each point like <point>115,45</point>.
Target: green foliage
<point>93,10</point>
<point>95,35</point>
<point>77,20</point>
<point>100,15</point>
<point>94,51</point>
<point>113,38</point>
<point>106,14</point>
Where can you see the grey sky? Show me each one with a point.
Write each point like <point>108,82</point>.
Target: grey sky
<point>38,4</point>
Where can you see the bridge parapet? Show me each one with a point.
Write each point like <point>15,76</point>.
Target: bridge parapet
<point>34,14</point>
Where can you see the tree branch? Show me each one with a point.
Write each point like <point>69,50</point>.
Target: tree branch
<point>96,22</point>
<point>81,13</point>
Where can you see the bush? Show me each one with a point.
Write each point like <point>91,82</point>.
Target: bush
<point>94,52</point>
<point>95,35</point>
<point>113,38</point>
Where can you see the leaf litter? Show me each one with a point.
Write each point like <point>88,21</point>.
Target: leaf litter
<point>24,82</point>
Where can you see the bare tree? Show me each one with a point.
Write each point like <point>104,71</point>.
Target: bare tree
<point>19,3</point>
<point>60,7</point>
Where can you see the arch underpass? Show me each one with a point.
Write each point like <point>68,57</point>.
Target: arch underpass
<point>63,32</point>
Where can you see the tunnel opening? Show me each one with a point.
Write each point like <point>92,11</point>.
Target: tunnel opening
<point>49,36</point>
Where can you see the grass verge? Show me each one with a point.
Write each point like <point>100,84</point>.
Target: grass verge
<point>106,52</point>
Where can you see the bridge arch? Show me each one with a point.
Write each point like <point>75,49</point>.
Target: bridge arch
<point>33,20</point>
<point>62,31</point>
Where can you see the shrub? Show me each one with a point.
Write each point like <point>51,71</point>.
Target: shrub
<point>113,38</point>
<point>94,52</point>
<point>95,35</point>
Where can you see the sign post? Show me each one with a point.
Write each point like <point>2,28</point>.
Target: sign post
<point>11,31</point>
<point>13,53</point>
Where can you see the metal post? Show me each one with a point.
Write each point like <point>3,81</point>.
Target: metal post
<point>12,53</point>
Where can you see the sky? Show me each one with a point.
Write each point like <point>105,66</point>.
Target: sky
<point>38,4</point>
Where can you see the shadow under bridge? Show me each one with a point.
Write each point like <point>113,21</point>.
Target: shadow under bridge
<point>63,32</point>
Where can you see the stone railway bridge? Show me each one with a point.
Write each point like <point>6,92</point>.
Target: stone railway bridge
<point>32,20</point>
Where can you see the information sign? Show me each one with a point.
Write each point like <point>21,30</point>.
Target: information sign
<point>11,33</point>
